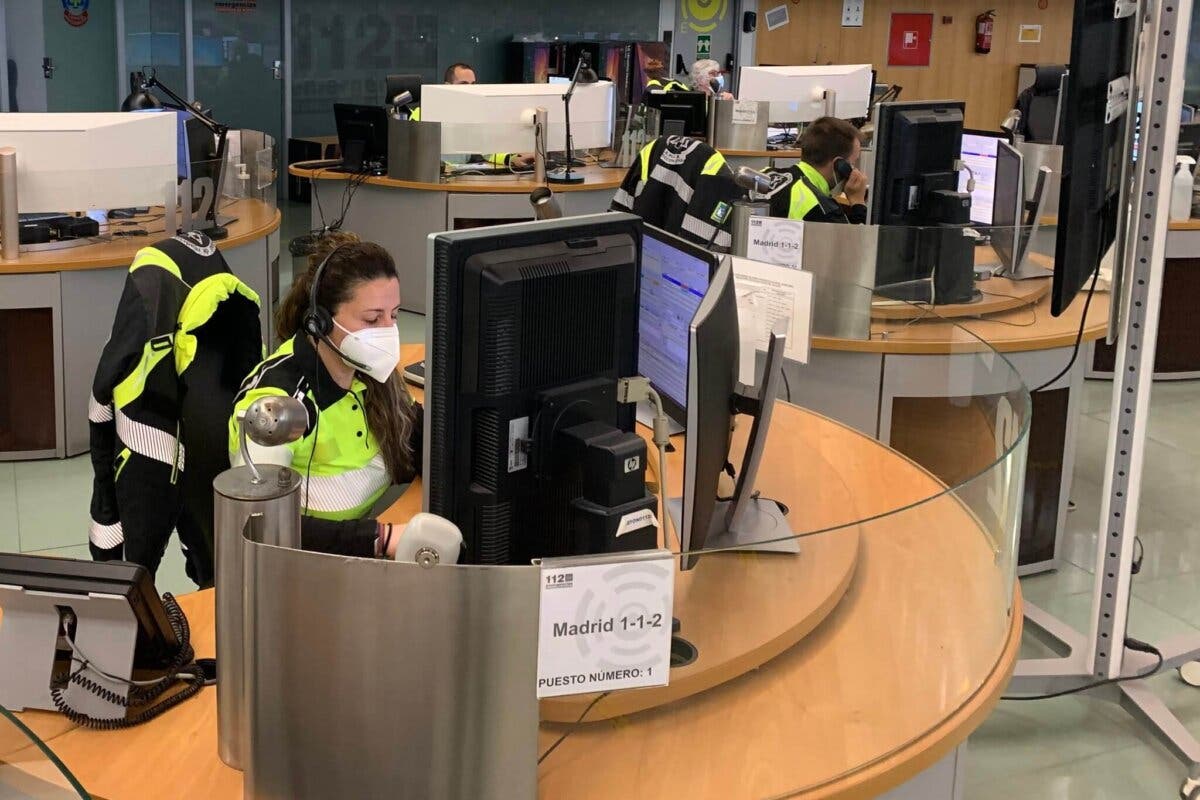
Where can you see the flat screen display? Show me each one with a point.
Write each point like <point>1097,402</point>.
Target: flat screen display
<point>979,153</point>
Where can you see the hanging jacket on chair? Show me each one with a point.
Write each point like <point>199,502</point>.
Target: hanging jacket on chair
<point>186,332</point>
<point>683,186</point>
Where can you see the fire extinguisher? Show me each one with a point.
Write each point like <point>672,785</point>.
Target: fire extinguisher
<point>983,31</point>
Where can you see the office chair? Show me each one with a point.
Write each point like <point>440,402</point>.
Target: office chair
<point>1039,104</point>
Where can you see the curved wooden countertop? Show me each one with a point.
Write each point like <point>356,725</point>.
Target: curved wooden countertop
<point>907,665</point>
<point>1022,329</point>
<point>594,179</point>
<point>255,220</point>
<point>761,153</point>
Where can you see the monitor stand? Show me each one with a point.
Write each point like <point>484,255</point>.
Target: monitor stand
<point>765,530</point>
<point>645,416</point>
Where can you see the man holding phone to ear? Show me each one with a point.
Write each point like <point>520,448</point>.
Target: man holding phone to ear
<point>830,149</point>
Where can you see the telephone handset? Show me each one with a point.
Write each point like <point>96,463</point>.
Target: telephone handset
<point>842,170</point>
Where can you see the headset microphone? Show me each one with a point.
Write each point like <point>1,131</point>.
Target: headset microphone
<point>317,321</point>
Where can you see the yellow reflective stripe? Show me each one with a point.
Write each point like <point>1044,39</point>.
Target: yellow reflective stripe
<point>415,114</point>
<point>801,201</point>
<point>497,159</point>
<point>714,164</point>
<point>198,308</point>
<point>121,460</point>
<point>153,257</point>
<point>132,386</point>
<point>645,157</point>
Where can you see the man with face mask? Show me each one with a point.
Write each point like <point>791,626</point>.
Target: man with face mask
<point>707,77</point>
<point>830,150</point>
<point>339,359</point>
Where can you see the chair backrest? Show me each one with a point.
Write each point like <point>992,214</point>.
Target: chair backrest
<point>1039,103</point>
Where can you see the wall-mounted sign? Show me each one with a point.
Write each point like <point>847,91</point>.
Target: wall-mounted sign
<point>777,17</point>
<point>1029,34</point>
<point>703,46</point>
<point>909,40</point>
<point>235,6</point>
<point>703,16</point>
<point>75,12</point>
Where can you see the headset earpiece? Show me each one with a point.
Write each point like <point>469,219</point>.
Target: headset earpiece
<point>317,321</point>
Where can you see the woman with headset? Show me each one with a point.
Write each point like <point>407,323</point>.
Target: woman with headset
<point>339,359</point>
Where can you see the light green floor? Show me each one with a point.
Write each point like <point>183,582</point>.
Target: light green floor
<point>1072,747</point>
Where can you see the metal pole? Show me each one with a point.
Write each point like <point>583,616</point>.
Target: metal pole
<point>9,236</point>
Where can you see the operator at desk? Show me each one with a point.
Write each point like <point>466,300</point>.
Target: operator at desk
<point>830,150</point>
<point>462,74</point>
<point>364,429</point>
<point>707,77</point>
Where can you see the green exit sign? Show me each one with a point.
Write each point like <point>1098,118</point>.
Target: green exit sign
<point>703,46</point>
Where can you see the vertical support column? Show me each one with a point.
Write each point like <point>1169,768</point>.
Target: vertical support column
<point>1165,30</point>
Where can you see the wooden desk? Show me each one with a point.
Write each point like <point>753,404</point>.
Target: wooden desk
<point>911,660</point>
<point>594,178</point>
<point>56,313</point>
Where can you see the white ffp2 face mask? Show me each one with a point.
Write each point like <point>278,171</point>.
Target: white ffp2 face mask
<point>377,350</point>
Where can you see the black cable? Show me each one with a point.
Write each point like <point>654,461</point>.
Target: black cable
<point>142,694</point>
<point>573,727</point>
<point>1132,644</point>
<point>1078,336</point>
<point>786,384</point>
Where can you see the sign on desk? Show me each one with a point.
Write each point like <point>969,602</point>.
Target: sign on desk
<point>605,622</point>
<point>775,240</point>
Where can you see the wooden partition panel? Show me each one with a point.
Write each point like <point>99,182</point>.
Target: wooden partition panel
<point>27,407</point>
<point>988,83</point>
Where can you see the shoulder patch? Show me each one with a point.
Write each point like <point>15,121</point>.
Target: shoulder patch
<point>780,181</point>
<point>197,242</point>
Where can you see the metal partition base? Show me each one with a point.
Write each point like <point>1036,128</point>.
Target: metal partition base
<point>1072,670</point>
<point>767,529</point>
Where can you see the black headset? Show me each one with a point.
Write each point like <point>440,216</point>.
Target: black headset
<point>317,321</point>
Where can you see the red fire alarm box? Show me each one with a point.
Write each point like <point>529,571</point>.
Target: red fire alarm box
<point>909,40</point>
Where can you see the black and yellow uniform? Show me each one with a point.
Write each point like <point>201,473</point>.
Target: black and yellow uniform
<point>338,457</point>
<point>185,332</point>
<point>666,85</point>
<point>683,186</point>
<point>800,192</point>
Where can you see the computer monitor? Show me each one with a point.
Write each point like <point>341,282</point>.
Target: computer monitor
<point>681,113</point>
<point>674,279</point>
<point>923,252</point>
<point>362,133</point>
<point>798,94</point>
<point>1010,203</point>
<point>1189,140</point>
<point>396,85</point>
<point>1091,199</point>
<point>526,448</point>
<point>702,519</point>
<point>498,117</point>
<point>979,153</point>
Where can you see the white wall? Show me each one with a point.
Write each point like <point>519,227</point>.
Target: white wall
<point>25,37</point>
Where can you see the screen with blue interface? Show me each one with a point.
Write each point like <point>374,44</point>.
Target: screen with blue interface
<point>673,284</point>
<point>979,153</point>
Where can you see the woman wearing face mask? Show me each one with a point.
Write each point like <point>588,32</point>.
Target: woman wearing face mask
<point>339,358</point>
<point>708,78</point>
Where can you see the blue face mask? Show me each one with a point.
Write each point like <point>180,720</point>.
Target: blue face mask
<point>720,79</point>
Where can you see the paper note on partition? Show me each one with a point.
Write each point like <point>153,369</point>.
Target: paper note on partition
<point>767,293</point>
<point>775,240</point>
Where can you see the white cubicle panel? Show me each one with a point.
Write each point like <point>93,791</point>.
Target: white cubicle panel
<point>498,117</point>
<point>797,94</point>
<point>73,162</point>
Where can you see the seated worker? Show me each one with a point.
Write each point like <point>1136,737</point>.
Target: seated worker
<point>339,359</point>
<point>802,191</point>
<point>460,74</point>
<point>707,72</point>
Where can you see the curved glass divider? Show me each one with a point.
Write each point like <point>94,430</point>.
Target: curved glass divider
<point>29,768</point>
<point>893,626</point>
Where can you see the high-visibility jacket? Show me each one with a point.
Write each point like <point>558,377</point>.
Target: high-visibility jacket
<point>666,85</point>
<point>493,159</point>
<point>342,470</point>
<point>185,331</point>
<point>683,186</point>
<point>801,192</point>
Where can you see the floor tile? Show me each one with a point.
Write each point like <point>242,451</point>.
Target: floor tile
<point>10,539</point>
<point>1067,580</point>
<point>53,498</point>
<point>1096,399</point>
<point>1132,773</point>
<point>1175,425</point>
<point>76,551</point>
<point>172,575</point>
<point>1148,622</point>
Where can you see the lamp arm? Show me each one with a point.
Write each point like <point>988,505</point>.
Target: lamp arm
<point>574,81</point>
<point>152,82</point>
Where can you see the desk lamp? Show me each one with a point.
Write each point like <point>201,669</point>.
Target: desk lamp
<point>141,99</point>
<point>583,74</point>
